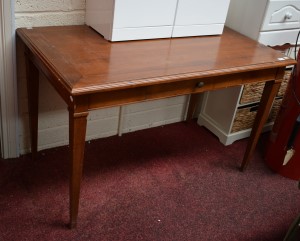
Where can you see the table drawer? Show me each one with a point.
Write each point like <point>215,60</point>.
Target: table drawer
<point>152,92</point>
<point>188,85</point>
<point>282,15</point>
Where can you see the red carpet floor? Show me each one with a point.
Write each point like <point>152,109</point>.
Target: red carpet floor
<point>176,182</point>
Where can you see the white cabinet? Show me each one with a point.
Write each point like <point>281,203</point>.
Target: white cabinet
<point>230,113</point>
<point>200,17</point>
<point>119,20</point>
<point>139,13</point>
<point>281,15</point>
<point>271,22</point>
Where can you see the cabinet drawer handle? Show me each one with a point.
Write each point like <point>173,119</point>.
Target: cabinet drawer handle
<point>288,15</point>
<point>200,84</point>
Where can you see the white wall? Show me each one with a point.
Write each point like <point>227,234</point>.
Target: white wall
<point>53,121</point>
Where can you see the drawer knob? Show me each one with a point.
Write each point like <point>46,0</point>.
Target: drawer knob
<point>200,84</point>
<point>288,15</point>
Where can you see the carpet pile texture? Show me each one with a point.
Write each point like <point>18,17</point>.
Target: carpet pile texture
<point>176,182</point>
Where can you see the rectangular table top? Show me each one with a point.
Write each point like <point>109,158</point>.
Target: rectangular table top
<point>84,62</point>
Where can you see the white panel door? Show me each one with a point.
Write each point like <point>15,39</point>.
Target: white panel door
<point>144,13</point>
<point>9,142</point>
<point>198,12</point>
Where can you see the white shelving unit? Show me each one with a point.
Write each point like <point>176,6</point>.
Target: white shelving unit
<point>270,22</point>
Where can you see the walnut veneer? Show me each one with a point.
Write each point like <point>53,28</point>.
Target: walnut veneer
<point>90,72</point>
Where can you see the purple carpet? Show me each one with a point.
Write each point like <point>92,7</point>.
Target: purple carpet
<point>176,182</point>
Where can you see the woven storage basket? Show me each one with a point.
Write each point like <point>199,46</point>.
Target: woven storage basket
<point>284,83</point>
<point>252,92</point>
<point>244,117</point>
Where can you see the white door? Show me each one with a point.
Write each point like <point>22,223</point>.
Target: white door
<point>8,88</point>
<point>144,13</point>
<point>194,12</point>
<point>200,17</point>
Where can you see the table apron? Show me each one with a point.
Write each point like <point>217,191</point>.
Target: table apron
<point>165,90</point>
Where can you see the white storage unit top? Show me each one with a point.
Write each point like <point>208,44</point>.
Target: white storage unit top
<point>119,20</point>
<point>271,22</point>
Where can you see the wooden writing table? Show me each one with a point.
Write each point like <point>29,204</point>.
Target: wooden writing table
<point>90,73</point>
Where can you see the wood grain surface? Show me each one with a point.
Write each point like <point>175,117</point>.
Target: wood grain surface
<point>85,62</point>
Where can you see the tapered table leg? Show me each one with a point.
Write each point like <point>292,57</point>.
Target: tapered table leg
<point>77,132</point>
<point>32,76</point>
<point>270,90</point>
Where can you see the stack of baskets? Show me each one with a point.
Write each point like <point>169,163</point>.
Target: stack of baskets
<point>249,102</point>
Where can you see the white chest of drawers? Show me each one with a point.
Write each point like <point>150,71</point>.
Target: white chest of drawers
<point>119,20</point>
<point>270,22</point>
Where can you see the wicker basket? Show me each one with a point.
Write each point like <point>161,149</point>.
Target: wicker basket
<point>252,92</point>
<point>284,83</point>
<point>244,117</point>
